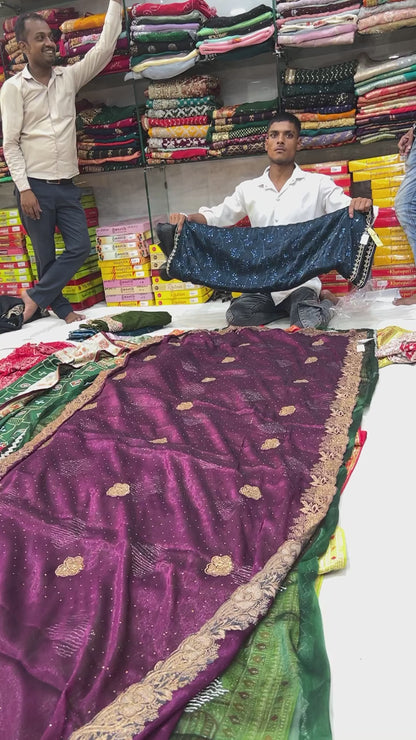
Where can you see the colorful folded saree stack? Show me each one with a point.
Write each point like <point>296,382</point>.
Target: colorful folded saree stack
<point>316,22</point>
<point>79,35</point>
<point>178,118</point>
<point>54,18</point>
<point>386,91</point>
<point>108,138</point>
<point>237,36</point>
<point>323,99</point>
<point>2,64</point>
<point>163,38</point>
<point>378,16</point>
<point>241,129</point>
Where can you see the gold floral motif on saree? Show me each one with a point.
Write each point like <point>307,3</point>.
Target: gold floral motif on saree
<point>250,491</point>
<point>228,359</point>
<point>287,410</point>
<point>270,444</point>
<point>70,567</point>
<point>208,380</point>
<point>119,489</point>
<point>149,357</point>
<point>301,380</point>
<point>161,441</point>
<point>219,565</point>
<point>184,406</point>
<point>309,360</point>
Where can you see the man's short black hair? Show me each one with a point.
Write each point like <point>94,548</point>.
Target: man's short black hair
<point>290,117</point>
<point>20,27</point>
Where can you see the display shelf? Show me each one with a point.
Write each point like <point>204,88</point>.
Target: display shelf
<point>8,10</point>
<point>256,77</point>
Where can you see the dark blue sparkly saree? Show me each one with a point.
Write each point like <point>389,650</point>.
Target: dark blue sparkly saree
<point>273,257</point>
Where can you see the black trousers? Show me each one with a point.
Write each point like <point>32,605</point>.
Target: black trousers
<point>303,307</point>
<point>61,207</point>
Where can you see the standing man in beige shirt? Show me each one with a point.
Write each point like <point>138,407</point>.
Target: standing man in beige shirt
<point>39,142</point>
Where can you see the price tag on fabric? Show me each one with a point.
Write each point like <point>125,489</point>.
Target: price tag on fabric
<point>375,237</point>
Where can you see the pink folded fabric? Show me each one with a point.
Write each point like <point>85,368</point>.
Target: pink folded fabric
<point>250,39</point>
<point>322,35</point>
<point>387,16</point>
<point>178,153</point>
<point>388,27</point>
<point>391,111</point>
<point>339,39</point>
<point>173,8</point>
<point>391,91</point>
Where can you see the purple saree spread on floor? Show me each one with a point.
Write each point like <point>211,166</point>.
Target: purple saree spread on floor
<point>146,531</point>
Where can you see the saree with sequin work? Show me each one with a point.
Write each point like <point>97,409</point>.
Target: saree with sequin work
<point>272,257</point>
<point>147,530</point>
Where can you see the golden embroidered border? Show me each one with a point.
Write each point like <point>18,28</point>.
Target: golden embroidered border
<point>140,703</point>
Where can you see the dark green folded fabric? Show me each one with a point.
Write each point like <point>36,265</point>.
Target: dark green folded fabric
<point>129,320</point>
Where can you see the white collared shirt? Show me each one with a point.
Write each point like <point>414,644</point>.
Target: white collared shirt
<point>39,137</point>
<point>306,195</point>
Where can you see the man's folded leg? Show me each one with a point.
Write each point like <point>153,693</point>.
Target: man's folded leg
<point>253,309</point>
<point>306,310</point>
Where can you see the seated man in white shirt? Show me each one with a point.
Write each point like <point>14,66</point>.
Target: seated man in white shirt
<point>39,142</point>
<point>284,194</point>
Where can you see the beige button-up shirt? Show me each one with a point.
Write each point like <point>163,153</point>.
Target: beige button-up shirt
<point>39,136</point>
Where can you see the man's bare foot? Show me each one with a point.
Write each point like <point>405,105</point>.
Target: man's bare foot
<point>72,316</point>
<point>30,306</point>
<point>326,294</point>
<point>410,300</point>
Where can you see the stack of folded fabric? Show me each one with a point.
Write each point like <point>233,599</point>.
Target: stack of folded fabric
<point>379,16</point>
<point>79,35</point>
<point>393,265</point>
<point>323,99</point>
<point>317,22</point>
<point>54,17</point>
<point>15,269</point>
<point>108,137</point>
<point>237,36</point>
<point>178,118</point>
<point>2,65</point>
<point>241,129</point>
<point>386,97</point>
<point>163,37</point>
<point>86,287</point>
